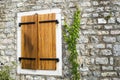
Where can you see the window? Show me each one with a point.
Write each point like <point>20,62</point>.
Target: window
<point>39,42</point>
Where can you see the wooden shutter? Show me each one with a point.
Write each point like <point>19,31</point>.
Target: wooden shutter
<point>47,42</point>
<point>29,42</point>
<point>38,40</point>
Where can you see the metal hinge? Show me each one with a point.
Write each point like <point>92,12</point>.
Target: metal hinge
<point>56,59</point>
<point>23,23</point>
<point>45,21</point>
<point>20,58</point>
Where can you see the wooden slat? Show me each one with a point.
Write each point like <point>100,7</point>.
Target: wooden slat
<point>47,42</point>
<point>29,42</point>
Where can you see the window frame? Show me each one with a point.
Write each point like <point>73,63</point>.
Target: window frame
<point>58,71</point>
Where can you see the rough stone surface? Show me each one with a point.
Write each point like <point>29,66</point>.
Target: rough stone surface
<point>116,49</point>
<point>102,60</point>
<point>107,67</point>
<point>98,45</point>
<point>101,21</point>
<point>109,39</point>
<point>109,74</point>
<point>106,52</point>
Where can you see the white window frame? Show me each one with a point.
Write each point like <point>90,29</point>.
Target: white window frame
<point>58,71</point>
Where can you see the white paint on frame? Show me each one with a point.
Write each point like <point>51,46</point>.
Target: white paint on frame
<point>58,71</point>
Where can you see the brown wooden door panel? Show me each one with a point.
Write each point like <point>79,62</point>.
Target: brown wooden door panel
<point>47,42</point>
<point>29,42</point>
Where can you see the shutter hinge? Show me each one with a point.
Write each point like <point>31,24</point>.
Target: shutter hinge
<point>56,59</point>
<point>20,58</point>
<point>45,21</point>
<point>23,23</point>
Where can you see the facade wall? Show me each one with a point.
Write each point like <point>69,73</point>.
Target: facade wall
<point>98,45</point>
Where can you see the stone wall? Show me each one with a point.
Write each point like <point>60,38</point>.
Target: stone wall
<point>98,45</point>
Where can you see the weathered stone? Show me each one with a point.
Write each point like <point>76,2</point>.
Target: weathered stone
<point>98,27</point>
<point>95,14</point>
<point>104,2</point>
<point>108,27</point>
<point>2,24</point>
<point>9,52</point>
<point>105,79</point>
<point>85,73</point>
<point>94,51</point>
<point>28,77</point>
<point>104,74</point>
<point>86,15</point>
<point>9,24</point>
<point>11,46</point>
<point>106,14</point>
<point>117,68</point>
<point>94,39</point>
<point>102,60</point>
<point>99,46</point>
<point>99,9</point>
<point>88,32</point>
<point>84,69</point>
<point>71,4</point>
<point>114,32</point>
<point>2,36</point>
<point>111,20</point>
<point>109,46</point>
<point>38,78</point>
<point>109,39</point>
<point>118,20</point>
<point>90,78</point>
<point>94,68</point>
<point>3,46</point>
<point>101,21</point>
<point>85,27</point>
<point>57,1</point>
<point>118,38</point>
<point>117,61</point>
<point>22,77</point>
<point>103,32</point>
<point>95,3</point>
<point>83,39</point>
<point>4,60</point>
<point>88,10</point>
<point>116,50</point>
<point>116,27</point>
<point>51,78</point>
<point>111,60</point>
<point>11,35</point>
<point>116,78</point>
<point>106,52</point>
<point>2,53</point>
<point>107,8</point>
<point>86,4</point>
<point>96,73</point>
<point>86,21</point>
<point>107,67</point>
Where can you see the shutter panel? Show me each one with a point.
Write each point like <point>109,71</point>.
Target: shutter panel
<point>46,42</point>
<point>29,42</point>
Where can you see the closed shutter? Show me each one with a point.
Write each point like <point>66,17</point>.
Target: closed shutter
<point>38,42</point>
<point>47,41</point>
<point>29,43</point>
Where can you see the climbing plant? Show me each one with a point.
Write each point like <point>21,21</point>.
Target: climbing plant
<point>5,72</point>
<point>71,34</point>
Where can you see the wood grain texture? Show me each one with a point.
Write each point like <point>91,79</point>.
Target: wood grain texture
<point>47,42</point>
<point>29,42</point>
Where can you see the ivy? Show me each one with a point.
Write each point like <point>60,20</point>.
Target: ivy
<point>71,34</point>
<point>5,72</point>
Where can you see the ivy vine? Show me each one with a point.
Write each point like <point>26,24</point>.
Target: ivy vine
<point>71,34</point>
